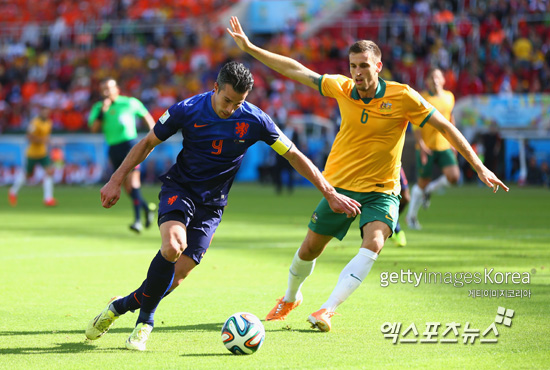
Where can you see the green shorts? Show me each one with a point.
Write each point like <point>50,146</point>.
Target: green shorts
<point>442,158</point>
<point>32,162</point>
<point>374,207</point>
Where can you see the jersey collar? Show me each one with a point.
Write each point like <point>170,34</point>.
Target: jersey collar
<point>380,91</point>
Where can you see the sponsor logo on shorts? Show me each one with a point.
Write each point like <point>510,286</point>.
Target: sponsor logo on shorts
<point>200,125</point>
<point>389,218</point>
<point>314,217</point>
<point>171,200</point>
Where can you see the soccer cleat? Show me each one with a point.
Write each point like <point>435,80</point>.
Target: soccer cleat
<point>136,227</point>
<point>413,223</point>
<point>150,215</point>
<point>321,319</point>
<point>426,201</point>
<point>100,324</point>
<point>137,341</point>
<point>282,309</point>
<point>12,198</point>
<point>400,238</point>
<point>50,202</point>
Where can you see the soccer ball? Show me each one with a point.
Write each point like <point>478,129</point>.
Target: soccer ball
<point>243,333</point>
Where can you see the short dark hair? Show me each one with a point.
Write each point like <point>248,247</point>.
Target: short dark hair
<point>236,75</point>
<point>432,70</point>
<point>363,46</point>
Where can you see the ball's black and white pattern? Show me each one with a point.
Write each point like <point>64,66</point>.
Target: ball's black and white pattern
<point>243,333</point>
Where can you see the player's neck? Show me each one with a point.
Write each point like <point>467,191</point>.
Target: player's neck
<point>369,92</point>
<point>436,92</point>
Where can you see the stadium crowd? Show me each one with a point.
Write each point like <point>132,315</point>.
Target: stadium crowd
<point>162,55</point>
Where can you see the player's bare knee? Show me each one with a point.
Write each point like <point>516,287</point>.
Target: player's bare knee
<point>173,248</point>
<point>453,179</point>
<point>375,244</point>
<point>309,251</point>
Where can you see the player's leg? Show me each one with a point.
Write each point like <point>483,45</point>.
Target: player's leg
<point>417,198</point>
<point>417,193</point>
<point>375,232</point>
<point>451,173</point>
<point>448,163</point>
<point>19,181</point>
<point>301,267</point>
<point>132,187</point>
<point>183,247</point>
<point>47,184</point>
<point>159,279</point>
<point>139,202</point>
<point>399,236</point>
<point>324,225</point>
<point>132,301</point>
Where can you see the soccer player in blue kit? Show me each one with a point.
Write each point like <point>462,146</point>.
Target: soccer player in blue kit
<point>217,129</point>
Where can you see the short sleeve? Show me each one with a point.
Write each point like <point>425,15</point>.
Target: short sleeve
<point>417,110</point>
<point>330,85</point>
<point>170,122</point>
<point>139,108</point>
<point>270,132</point>
<point>94,113</point>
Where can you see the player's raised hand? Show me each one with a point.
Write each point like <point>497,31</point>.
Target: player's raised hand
<point>491,180</point>
<point>340,203</point>
<point>110,194</point>
<point>238,34</point>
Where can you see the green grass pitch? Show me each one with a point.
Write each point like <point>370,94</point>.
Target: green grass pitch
<point>59,267</point>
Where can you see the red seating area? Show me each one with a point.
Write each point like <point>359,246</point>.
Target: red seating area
<point>491,50</point>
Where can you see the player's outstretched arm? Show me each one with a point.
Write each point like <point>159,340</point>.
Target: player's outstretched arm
<point>284,65</point>
<point>339,203</point>
<point>455,137</point>
<point>110,192</point>
<point>149,120</point>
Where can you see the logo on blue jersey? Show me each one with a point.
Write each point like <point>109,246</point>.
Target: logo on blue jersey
<point>241,128</point>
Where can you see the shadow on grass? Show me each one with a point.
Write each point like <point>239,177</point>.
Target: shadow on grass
<point>228,354</point>
<point>74,347</point>
<point>158,328</point>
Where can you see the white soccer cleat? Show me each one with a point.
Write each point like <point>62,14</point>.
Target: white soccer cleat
<point>412,222</point>
<point>100,324</point>
<point>426,199</point>
<point>137,341</point>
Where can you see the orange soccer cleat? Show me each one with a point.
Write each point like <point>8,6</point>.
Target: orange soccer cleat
<point>282,309</point>
<point>50,202</point>
<point>321,319</point>
<point>12,198</point>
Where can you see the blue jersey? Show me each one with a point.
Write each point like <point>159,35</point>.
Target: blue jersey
<point>213,148</point>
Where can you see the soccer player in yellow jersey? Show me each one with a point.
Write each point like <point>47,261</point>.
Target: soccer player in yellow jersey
<point>364,164</point>
<point>38,134</point>
<point>433,148</point>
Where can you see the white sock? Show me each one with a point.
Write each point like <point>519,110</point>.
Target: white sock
<point>48,187</point>
<point>437,184</point>
<point>350,278</point>
<point>18,182</point>
<point>297,273</point>
<point>416,201</point>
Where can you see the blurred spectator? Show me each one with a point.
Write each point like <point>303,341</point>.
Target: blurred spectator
<point>535,175</point>
<point>487,47</point>
<point>282,166</point>
<point>492,148</point>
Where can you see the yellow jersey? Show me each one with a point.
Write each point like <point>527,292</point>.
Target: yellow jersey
<point>41,128</point>
<point>444,103</point>
<point>366,153</point>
